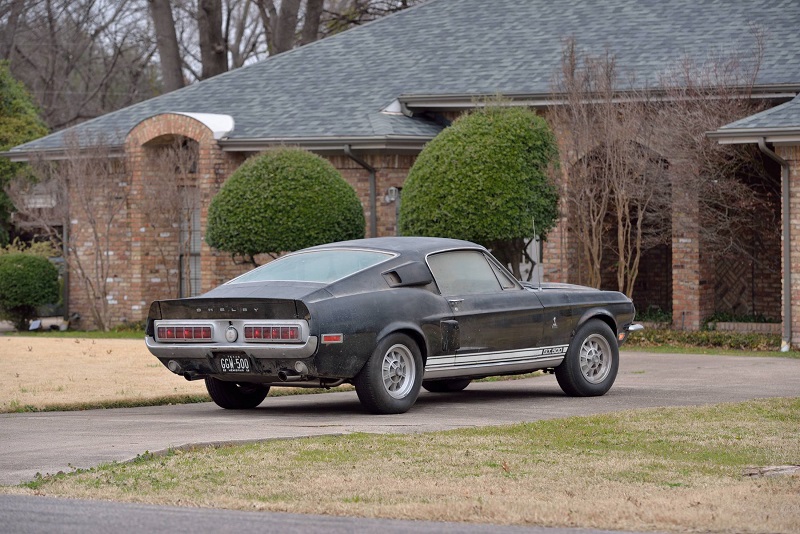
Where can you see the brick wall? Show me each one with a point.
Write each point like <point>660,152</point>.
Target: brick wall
<point>391,171</point>
<point>792,155</point>
<point>100,248</point>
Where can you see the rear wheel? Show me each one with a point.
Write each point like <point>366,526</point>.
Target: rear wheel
<point>236,395</point>
<point>390,380</point>
<point>452,385</point>
<point>590,366</point>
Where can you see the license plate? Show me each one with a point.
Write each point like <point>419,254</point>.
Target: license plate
<point>234,363</point>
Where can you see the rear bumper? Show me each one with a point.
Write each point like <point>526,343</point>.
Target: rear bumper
<point>259,351</point>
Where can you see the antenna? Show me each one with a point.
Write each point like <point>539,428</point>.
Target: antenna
<point>536,254</point>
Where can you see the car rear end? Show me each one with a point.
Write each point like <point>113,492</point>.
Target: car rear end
<point>242,339</point>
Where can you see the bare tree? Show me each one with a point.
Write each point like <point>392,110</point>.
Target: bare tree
<point>311,21</point>
<point>213,40</point>
<point>172,211</point>
<point>244,35</point>
<point>340,15</point>
<point>289,23</point>
<point>78,202</point>
<point>630,154</point>
<point>730,185</point>
<point>10,12</point>
<point>616,190</point>
<point>280,23</point>
<point>81,58</point>
<point>167,42</point>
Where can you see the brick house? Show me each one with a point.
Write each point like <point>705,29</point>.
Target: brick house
<point>370,98</point>
<point>777,133</point>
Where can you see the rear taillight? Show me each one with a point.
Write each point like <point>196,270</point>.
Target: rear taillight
<point>272,333</point>
<point>183,333</point>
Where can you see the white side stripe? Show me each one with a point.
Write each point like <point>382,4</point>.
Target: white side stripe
<point>483,359</point>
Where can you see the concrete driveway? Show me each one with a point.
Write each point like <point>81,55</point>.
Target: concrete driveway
<point>58,441</point>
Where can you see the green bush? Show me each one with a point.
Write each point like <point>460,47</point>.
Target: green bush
<point>283,200</point>
<point>709,339</point>
<point>44,249</point>
<point>19,123</point>
<point>485,179</point>
<point>26,282</point>
<point>727,317</point>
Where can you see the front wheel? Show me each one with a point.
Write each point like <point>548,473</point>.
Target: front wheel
<point>390,380</point>
<point>590,366</point>
<point>236,395</point>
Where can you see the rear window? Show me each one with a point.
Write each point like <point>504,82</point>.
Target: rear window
<point>323,266</point>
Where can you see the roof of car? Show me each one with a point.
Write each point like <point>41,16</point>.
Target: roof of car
<point>403,245</point>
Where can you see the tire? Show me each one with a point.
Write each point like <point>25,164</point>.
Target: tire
<point>452,385</point>
<point>236,395</point>
<point>390,381</point>
<point>590,366</point>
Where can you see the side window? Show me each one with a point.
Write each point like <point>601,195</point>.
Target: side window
<point>463,272</point>
<point>505,281</point>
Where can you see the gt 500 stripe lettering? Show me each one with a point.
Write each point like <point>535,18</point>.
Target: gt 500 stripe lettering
<point>504,357</point>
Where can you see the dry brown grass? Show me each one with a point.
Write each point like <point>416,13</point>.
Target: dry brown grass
<point>43,373</point>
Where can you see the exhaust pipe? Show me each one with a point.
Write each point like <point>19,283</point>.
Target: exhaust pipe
<point>289,375</point>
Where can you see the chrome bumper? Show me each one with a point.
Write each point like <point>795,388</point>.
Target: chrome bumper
<point>254,350</point>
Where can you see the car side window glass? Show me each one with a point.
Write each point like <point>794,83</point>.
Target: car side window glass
<point>463,272</point>
<point>503,278</point>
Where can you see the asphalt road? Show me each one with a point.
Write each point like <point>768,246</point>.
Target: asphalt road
<point>41,515</point>
<point>59,441</point>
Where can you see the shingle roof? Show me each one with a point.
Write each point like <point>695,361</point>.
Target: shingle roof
<point>337,87</point>
<point>780,124</point>
<point>784,116</point>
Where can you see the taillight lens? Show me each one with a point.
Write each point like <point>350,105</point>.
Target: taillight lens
<point>184,333</point>
<point>272,333</point>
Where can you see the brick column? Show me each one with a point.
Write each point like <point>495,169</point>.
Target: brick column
<point>792,155</point>
<point>558,254</point>
<point>692,270</point>
<point>559,251</point>
<point>147,271</point>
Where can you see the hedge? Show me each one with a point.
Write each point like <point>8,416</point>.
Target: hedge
<point>283,200</point>
<point>484,178</point>
<point>26,282</point>
<point>710,339</point>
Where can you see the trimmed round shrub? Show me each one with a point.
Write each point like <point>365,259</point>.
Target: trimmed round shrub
<point>280,201</point>
<point>485,179</point>
<point>26,282</point>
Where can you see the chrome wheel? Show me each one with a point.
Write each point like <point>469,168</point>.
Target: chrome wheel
<point>398,371</point>
<point>595,358</point>
<point>391,379</point>
<point>592,361</point>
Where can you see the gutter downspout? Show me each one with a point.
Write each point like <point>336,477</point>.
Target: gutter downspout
<point>373,203</point>
<point>786,343</point>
